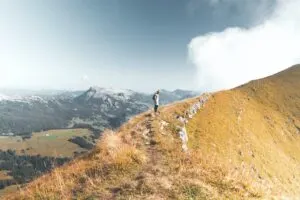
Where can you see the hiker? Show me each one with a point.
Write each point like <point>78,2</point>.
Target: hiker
<point>156,100</point>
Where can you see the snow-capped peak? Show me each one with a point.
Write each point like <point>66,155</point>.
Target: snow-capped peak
<point>24,99</point>
<point>4,97</point>
<point>115,92</point>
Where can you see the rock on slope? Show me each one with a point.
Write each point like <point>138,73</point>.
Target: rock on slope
<point>242,144</point>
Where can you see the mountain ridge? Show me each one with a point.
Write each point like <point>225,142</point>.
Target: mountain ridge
<point>36,128</point>
<point>57,109</point>
<point>242,143</point>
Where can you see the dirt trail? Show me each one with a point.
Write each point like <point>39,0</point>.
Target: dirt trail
<point>154,175</point>
<point>149,140</point>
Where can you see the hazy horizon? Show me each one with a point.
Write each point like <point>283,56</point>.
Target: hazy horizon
<point>202,45</point>
<point>18,91</point>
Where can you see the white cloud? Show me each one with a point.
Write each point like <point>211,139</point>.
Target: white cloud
<point>234,56</point>
<point>85,77</point>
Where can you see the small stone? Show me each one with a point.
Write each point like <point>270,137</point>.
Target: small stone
<point>153,142</point>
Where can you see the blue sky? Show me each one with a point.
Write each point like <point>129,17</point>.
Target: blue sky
<point>136,44</point>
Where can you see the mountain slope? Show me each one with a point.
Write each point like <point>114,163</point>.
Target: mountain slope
<point>255,128</point>
<point>242,144</point>
<point>96,108</point>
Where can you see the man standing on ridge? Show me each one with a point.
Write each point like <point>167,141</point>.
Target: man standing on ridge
<point>156,101</point>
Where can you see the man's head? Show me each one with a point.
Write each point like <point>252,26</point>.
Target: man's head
<point>157,92</point>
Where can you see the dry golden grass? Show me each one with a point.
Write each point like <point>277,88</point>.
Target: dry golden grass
<point>252,130</point>
<point>93,176</point>
<point>243,144</point>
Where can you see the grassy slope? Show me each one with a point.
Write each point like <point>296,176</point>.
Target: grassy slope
<point>52,143</point>
<point>243,145</point>
<point>253,128</point>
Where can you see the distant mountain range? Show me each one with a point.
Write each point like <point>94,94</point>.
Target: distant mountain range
<point>24,112</point>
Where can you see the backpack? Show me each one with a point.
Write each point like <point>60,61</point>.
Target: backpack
<point>154,97</point>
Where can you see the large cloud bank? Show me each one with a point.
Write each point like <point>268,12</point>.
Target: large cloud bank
<point>234,56</point>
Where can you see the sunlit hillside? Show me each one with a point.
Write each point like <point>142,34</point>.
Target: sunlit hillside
<point>241,144</point>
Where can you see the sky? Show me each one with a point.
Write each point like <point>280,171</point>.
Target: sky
<point>145,44</point>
